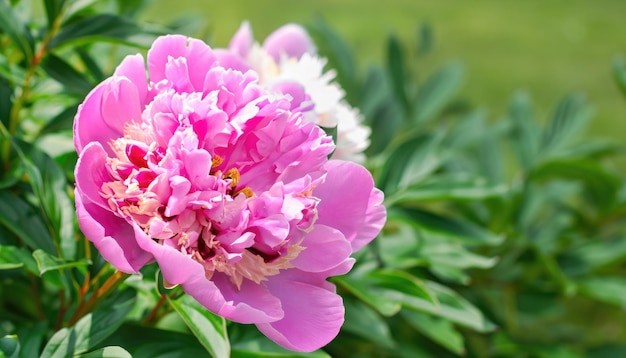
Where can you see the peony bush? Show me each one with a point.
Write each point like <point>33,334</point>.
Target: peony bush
<point>163,197</point>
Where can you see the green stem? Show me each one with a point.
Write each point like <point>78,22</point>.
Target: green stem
<point>109,286</point>
<point>25,88</point>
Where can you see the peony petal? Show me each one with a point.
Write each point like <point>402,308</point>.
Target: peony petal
<point>133,67</point>
<point>291,40</point>
<point>120,103</point>
<point>89,126</point>
<point>91,172</point>
<point>230,60</point>
<point>200,58</point>
<point>313,315</point>
<point>111,235</point>
<point>325,248</point>
<point>241,42</point>
<point>250,304</point>
<point>351,203</point>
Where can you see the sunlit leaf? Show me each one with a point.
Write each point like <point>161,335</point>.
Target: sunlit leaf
<point>47,262</point>
<point>10,346</point>
<point>107,352</point>
<point>14,257</point>
<point>207,327</point>
<point>385,302</point>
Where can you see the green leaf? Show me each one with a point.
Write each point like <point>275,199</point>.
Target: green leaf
<point>611,290</point>
<point>53,9</point>
<point>10,346</point>
<point>568,119</point>
<point>62,121</point>
<point>6,99</point>
<point>19,33</point>
<point>149,342</point>
<point>397,71</point>
<point>103,27</point>
<point>601,185</point>
<point>453,228</point>
<point>384,301</point>
<point>524,131</point>
<point>14,257</point>
<point>207,327</point>
<point>73,81</point>
<point>47,262</point>
<point>91,329</point>
<point>448,187</point>
<point>425,39</point>
<point>25,222</point>
<point>107,352</point>
<point>437,329</point>
<point>619,74</point>
<point>364,321</point>
<point>31,337</point>
<point>453,307</point>
<point>593,254</point>
<point>339,55</point>
<point>50,186</point>
<point>410,162</point>
<point>402,282</point>
<point>437,92</point>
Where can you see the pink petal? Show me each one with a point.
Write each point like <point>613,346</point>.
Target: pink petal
<point>291,40</point>
<point>133,67</point>
<point>325,248</point>
<point>89,126</point>
<point>313,315</point>
<point>251,304</point>
<point>227,59</point>
<point>200,58</point>
<point>351,203</point>
<point>91,172</point>
<point>111,235</point>
<point>241,42</point>
<point>121,103</point>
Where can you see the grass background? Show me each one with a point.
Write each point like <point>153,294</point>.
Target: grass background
<point>546,47</point>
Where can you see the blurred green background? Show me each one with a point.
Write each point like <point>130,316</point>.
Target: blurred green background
<point>548,48</point>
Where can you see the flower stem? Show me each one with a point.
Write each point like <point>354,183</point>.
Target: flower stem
<point>106,289</point>
<point>154,312</point>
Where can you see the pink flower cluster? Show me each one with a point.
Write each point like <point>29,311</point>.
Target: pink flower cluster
<point>224,184</point>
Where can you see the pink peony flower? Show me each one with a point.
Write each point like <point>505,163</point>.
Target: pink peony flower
<point>216,179</point>
<point>288,56</point>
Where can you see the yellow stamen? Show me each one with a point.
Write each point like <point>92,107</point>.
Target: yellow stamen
<point>233,175</point>
<point>246,191</point>
<point>216,160</point>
